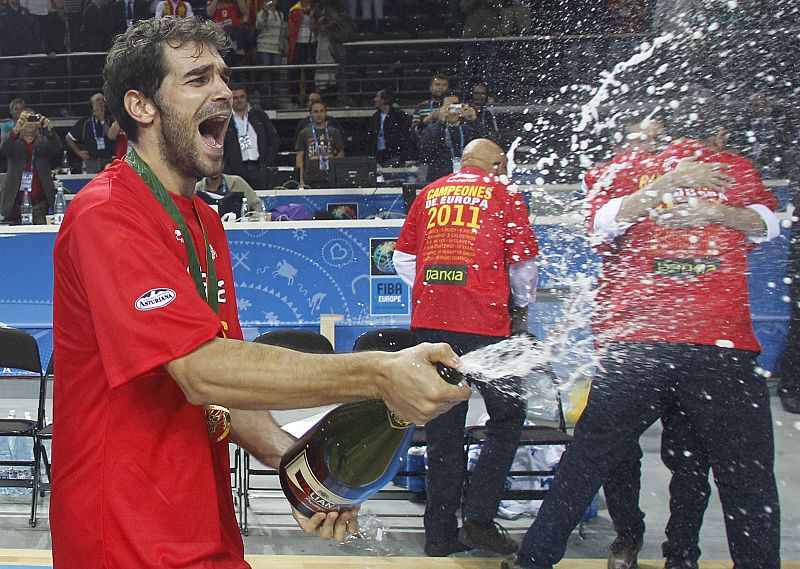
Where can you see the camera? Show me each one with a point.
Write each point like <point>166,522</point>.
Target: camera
<point>456,108</point>
<point>34,118</point>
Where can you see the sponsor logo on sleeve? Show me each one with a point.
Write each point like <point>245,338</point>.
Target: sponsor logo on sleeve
<point>155,298</point>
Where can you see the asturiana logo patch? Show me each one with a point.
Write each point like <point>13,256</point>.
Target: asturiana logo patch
<point>155,298</point>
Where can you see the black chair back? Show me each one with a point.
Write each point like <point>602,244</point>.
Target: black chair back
<point>19,350</point>
<point>385,340</point>
<point>298,340</point>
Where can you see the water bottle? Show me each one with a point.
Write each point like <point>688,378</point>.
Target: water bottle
<point>26,209</point>
<point>65,167</point>
<point>348,456</point>
<point>245,211</point>
<point>60,205</point>
<point>324,163</point>
<point>5,454</point>
<point>261,214</point>
<point>84,167</point>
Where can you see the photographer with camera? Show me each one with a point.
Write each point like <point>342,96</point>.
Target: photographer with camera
<point>93,138</point>
<point>32,148</point>
<point>443,140</point>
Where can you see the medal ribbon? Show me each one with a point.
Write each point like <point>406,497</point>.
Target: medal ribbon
<point>217,417</point>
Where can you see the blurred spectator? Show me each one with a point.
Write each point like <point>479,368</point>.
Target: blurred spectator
<point>428,111</point>
<point>515,17</point>
<point>334,28</point>
<point>765,138</point>
<point>179,8</point>
<point>251,142</point>
<point>270,49</point>
<point>55,33</point>
<point>318,139</point>
<point>74,10</point>
<point>368,9</point>
<point>481,20</point>
<point>38,10</point>
<point>125,12</point>
<point>16,38</point>
<point>15,107</point>
<point>485,117</point>
<point>627,16</point>
<point>231,15</point>
<point>676,15</point>
<point>211,189</point>
<point>96,27</point>
<point>32,135</point>
<point>302,48</point>
<point>93,138</point>
<point>387,133</point>
<point>442,142</point>
<point>307,121</point>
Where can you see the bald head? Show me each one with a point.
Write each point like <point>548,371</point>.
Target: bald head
<point>484,154</point>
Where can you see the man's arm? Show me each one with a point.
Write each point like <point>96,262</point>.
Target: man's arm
<point>747,220</point>
<point>522,279</point>
<point>273,140</point>
<point>687,174</point>
<point>299,163</point>
<point>73,145</point>
<point>245,375</point>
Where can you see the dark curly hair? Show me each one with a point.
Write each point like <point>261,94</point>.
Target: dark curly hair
<point>136,59</point>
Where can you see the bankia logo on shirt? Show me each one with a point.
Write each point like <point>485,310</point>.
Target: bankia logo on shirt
<point>155,298</point>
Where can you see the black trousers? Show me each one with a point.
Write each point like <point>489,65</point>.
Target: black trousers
<point>446,456</point>
<point>728,406</point>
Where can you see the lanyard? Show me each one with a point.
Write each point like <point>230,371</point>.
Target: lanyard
<point>327,135</point>
<point>383,120</point>
<point>209,293</point>
<point>449,140</point>
<point>94,127</point>
<point>33,160</point>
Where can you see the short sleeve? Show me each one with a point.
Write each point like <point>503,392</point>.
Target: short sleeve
<point>520,242</point>
<point>407,240</point>
<point>145,308</point>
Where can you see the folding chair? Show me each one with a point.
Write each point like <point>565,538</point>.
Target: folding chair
<point>298,340</point>
<point>44,432</point>
<point>19,350</point>
<point>394,340</point>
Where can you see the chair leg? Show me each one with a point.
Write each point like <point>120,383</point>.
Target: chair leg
<point>37,451</point>
<point>245,490</point>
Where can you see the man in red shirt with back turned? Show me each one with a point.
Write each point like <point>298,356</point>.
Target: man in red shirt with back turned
<point>467,249</point>
<point>148,342</point>
<point>673,323</point>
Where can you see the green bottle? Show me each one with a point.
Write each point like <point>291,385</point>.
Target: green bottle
<point>348,456</point>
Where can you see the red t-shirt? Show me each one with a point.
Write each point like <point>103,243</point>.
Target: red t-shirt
<point>227,14</point>
<point>136,480</point>
<point>465,229</point>
<point>676,285</point>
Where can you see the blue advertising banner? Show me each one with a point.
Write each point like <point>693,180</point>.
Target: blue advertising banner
<point>287,275</point>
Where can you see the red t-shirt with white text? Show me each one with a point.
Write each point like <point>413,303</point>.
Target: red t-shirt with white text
<point>137,482</point>
<point>660,284</point>
<point>465,229</point>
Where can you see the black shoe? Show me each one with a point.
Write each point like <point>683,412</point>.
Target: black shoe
<point>791,402</point>
<point>445,548</point>
<point>491,537</point>
<point>623,553</point>
<point>680,563</point>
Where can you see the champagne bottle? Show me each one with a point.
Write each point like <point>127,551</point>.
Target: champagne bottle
<point>348,456</point>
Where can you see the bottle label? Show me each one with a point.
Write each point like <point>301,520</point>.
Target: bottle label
<point>308,488</point>
<point>397,422</point>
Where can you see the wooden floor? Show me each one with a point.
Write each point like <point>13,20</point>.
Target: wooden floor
<point>42,558</point>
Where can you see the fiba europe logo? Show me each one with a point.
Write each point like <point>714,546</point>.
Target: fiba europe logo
<point>382,251</point>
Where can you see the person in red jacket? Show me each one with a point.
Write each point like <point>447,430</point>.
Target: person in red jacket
<point>673,318</point>
<point>302,48</point>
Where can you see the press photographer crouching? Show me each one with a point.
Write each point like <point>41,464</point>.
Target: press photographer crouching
<point>31,149</point>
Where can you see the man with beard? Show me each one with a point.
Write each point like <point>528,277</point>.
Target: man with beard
<point>148,342</point>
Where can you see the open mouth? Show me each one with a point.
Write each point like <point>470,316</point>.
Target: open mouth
<point>212,130</point>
